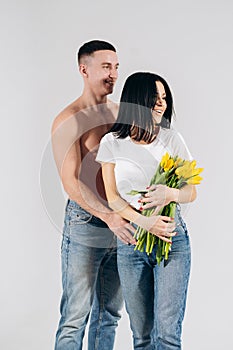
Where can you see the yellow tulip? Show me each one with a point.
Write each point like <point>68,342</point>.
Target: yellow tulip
<point>182,170</point>
<point>188,170</point>
<point>195,180</point>
<point>178,162</point>
<point>193,164</point>
<point>167,162</point>
<point>164,159</point>
<point>191,172</point>
<point>168,165</point>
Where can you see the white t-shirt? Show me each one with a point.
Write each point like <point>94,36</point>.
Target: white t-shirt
<point>136,164</point>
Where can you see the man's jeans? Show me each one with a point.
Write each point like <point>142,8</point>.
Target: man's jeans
<point>155,295</point>
<point>90,280</point>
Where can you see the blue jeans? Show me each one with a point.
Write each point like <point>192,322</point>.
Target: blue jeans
<point>155,295</point>
<point>90,282</point>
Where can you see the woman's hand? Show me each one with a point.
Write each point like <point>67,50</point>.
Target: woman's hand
<point>158,196</point>
<point>161,226</point>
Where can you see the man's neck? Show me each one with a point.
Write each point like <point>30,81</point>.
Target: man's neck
<point>90,100</point>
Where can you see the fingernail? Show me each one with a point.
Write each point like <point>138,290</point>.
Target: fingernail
<point>141,208</point>
<point>172,218</point>
<point>147,187</point>
<point>139,201</point>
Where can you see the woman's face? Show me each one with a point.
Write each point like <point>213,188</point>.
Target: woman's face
<point>161,104</point>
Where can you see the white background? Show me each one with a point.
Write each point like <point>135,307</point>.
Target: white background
<point>189,43</point>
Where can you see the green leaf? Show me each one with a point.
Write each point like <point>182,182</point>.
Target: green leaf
<point>134,192</point>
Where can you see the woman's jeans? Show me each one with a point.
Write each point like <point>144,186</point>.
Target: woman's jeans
<point>155,295</point>
<point>90,281</point>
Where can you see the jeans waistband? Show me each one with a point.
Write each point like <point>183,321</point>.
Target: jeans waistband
<point>73,204</point>
<point>94,219</point>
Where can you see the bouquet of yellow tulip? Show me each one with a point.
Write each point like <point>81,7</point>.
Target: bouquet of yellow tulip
<point>176,173</point>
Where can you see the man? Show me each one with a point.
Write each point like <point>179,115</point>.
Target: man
<point>89,271</point>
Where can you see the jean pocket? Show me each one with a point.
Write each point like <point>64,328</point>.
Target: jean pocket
<point>79,216</point>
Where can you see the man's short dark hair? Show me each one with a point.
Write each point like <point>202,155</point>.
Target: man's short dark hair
<point>90,47</point>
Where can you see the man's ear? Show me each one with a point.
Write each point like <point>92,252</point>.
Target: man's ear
<point>83,69</point>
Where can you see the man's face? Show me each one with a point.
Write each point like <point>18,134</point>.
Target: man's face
<point>102,71</point>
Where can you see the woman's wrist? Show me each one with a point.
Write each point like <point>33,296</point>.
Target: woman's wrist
<point>174,195</point>
<point>141,220</point>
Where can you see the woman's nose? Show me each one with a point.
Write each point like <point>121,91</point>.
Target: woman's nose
<point>159,101</point>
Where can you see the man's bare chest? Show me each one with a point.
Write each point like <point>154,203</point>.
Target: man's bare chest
<point>89,142</point>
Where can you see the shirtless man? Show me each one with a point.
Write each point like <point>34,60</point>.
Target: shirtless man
<point>89,270</point>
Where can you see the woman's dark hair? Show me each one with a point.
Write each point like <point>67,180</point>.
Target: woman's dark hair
<point>138,98</point>
<point>92,46</point>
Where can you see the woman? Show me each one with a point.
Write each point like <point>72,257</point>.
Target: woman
<point>155,295</point>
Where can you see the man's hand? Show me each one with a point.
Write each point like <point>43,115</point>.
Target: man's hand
<point>121,228</point>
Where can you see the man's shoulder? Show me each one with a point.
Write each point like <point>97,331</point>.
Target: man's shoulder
<point>67,114</point>
<point>114,107</point>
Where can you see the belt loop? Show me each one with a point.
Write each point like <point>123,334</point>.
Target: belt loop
<point>67,204</point>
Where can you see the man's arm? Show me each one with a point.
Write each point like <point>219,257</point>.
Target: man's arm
<point>67,154</point>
